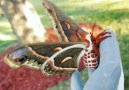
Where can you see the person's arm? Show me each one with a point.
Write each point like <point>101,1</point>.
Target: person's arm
<point>76,81</point>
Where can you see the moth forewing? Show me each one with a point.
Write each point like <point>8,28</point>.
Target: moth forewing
<point>67,28</point>
<point>49,7</point>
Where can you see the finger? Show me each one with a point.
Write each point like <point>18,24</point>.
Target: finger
<point>110,53</point>
<point>76,81</point>
<point>109,50</point>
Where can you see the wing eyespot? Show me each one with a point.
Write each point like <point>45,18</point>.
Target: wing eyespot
<point>23,58</point>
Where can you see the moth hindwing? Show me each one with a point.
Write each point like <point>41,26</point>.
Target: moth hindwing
<point>64,61</point>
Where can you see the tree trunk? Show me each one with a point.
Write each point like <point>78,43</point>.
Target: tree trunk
<point>24,20</point>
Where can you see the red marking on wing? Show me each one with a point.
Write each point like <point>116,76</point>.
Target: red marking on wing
<point>52,37</point>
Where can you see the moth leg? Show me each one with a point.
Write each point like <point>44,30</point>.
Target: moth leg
<point>96,50</point>
<point>100,37</point>
<point>102,33</point>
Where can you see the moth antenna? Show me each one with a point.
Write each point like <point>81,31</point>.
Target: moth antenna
<point>93,28</point>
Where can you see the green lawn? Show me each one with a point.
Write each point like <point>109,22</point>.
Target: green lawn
<point>7,37</point>
<point>112,14</point>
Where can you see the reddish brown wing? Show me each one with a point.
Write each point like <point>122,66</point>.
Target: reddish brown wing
<point>65,26</point>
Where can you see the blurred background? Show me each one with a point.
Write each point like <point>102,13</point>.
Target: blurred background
<point>112,14</point>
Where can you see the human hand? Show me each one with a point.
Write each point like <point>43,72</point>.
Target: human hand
<point>109,74</point>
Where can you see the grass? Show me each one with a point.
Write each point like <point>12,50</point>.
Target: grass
<point>112,14</point>
<point>7,37</point>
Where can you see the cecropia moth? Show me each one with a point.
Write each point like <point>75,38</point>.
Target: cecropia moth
<point>62,57</point>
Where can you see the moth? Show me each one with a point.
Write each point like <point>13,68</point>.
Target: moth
<point>63,57</point>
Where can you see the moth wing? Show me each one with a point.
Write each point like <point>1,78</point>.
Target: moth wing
<point>68,29</point>
<point>64,61</point>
